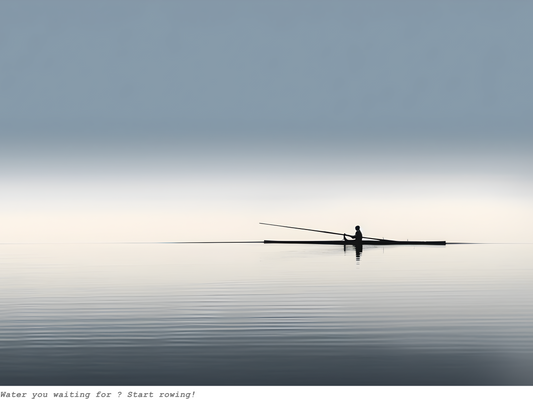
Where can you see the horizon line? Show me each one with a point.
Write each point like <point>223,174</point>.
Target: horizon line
<point>204,242</point>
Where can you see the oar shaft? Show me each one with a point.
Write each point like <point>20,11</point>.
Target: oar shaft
<point>302,229</point>
<point>366,237</point>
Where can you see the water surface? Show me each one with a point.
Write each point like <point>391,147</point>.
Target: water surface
<point>254,314</point>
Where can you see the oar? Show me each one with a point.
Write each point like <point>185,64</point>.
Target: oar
<point>303,229</point>
<point>315,230</point>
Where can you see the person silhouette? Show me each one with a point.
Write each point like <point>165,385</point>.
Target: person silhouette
<point>358,237</point>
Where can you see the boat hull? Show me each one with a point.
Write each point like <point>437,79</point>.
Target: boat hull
<point>365,242</point>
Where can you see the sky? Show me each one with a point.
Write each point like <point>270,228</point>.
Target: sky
<point>196,120</point>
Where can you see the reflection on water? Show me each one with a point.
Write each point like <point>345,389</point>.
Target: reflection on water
<point>266,314</point>
<point>358,248</point>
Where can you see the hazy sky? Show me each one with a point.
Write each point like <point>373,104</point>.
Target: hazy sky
<point>176,120</point>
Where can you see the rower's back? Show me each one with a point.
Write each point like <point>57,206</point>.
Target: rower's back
<point>358,234</point>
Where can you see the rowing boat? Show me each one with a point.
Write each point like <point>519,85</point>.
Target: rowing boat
<point>378,242</point>
<point>369,241</point>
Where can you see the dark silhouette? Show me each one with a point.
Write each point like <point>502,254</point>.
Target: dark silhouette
<point>358,250</point>
<point>358,237</point>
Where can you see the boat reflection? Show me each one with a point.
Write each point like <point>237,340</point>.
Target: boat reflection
<point>358,250</point>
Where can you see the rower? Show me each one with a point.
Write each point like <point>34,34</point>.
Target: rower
<point>358,237</point>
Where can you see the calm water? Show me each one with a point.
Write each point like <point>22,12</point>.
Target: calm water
<point>247,314</point>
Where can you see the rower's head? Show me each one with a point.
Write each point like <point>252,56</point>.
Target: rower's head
<point>357,228</point>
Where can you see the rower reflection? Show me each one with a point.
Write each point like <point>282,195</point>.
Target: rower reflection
<point>358,250</point>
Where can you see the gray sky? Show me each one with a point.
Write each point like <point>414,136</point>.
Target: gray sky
<point>278,90</point>
<point>240,68</point>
